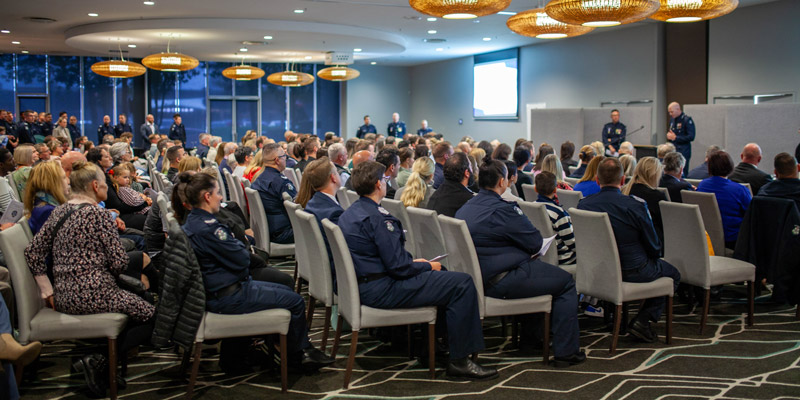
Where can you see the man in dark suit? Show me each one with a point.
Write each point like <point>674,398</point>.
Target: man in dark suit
<point>148,128</point>
<point>747,171</point>
<point>671,180</point>
<point>701,171</point>
<point>453,193</point>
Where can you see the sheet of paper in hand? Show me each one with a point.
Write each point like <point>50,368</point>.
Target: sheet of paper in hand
<point>13,212</point>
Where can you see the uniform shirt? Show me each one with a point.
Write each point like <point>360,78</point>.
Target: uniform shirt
<point>423,131</point>
<point>223,259</point>
<point>397,129</point>
<point>322,206</point>
<point>11,128</point>
<point>178,132</point>
<point>103,130</point>
<point>562,226</point>
<point>449,197</point>
<point>579,171</point>
<point>787,188</point>
<point>26,132</point>
<point>119,129</point>
<point>74,132</point>
<point>46,128</point>
<point>376,242</point>
<point>732,200</point>
<point>674,187</point>
<point>438,175</point>
<point>613,134</point>
<point>699,172</point>
<point>637,241</point>
<point>271,185</point>
<point>363,130</point>
<point>504,237</point>
<point>523,179</point>
<point>684,129</point>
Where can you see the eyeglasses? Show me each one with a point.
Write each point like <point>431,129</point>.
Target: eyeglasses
<point>386,179</point>
<point>285,156</point>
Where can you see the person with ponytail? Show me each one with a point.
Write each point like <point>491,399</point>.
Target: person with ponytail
<point>508,246</point>
<point>418,189</point>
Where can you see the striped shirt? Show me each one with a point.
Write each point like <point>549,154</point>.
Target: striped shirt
<point>562,226</point>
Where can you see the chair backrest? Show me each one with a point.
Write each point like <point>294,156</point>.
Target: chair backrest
<point>291,174</point>
<point>694,182</point>
<point>303,261</point>
<point>26,293</point>
<point>299,175</point>
<point>462,255</point>
<point>308,239</point>
<point>286,197</point>
<point>341,195</point>
<point>221,183</point>
<point>747,185</point>
<point>163,207</point>
<point>572,169</point>
<point>258,220</point>
<point>352,196</point>
<point>572,181</point>
<point>398,210</point>
<point>231,188</point>
<point>14,192</point>
<point>427,233</point>
<point>347,287</point>
<point>568,198</point>
<point>712,220</point>
<point>537,214</point>
<point>246,183</point>
<point>514,190</point>
<point>399,193</point>
<point>529,192</point>
<point>685,245</point>
<point>665,192</point>
<point>238,190</point>
<point>598,272</point>
<point>23,222</point>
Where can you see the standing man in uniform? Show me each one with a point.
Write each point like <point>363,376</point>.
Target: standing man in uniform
<point>27,129</point>
<point>105,129</point>
<point>74,132</point>
<point>363,130</point>
<point>271,185</point>
<point>681,132</point>
<point>177,131</point>
<point>424,129</point>
<point>47,125</point>
<point>122,127</point>
<point>396,128</point>
<point>613,134</point>
<point>7,121</point>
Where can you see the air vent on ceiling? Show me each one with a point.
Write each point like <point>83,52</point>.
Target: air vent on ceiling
<point>434,40</point>
<point>255,43</point>
<point>413,17</point>
<point>40,20</point>
<point>118,51</point>
<point>338,58</point>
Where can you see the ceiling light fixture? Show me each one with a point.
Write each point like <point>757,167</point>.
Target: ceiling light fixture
<point>25,51</point>
<point>5,31</point>
<point>431,32</point>
<point>267,37</point>
<point>133,46</point>
<point>308,57</point>
<point>15,42</point>
<point>118,68</point>
<point>536,23</point>
<point>170,61</point>
<point>338,73</point>
<point>598,13</point>
<point>243,72</point>
<point>459,9</point>
<point>439,49</point>
<point>149,3</point>
<point>93,15</point>
<point>373,63</point>
<point>693,10</point>
<point>299,11</point>
<point>290,79</point>
<point>506,13</point>
<point>432,19</point>
<point>243,49</point>
<point>487,39</point>
<point>357,50</point>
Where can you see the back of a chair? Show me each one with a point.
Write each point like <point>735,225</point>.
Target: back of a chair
<point>568,198</point>
<point>341,195</point>
<point>347,286</point>
<point>514,190</point>
<point>246,183</point>
<point>398,210</point>
<point>221,183</point>
<point>231,187</point>
<point>26,293</point>
<point>694,182</point>
<point>462,255</point>
<point>163,207</point>
<point>749,188</point>
<point>537,214</point>
<point>529,192</point>
<point>685,245</point>
<point>308,239</point>
<point>599,272</point>
<point>299,175</point>
<point>23,222</point>
<point>258,219</point>
<point>303,261</point>
<point>14,192</point>
<point>399,193</point>
<point>712,220</point>
<point>572,169</point>
<point>352,196</point>
<point>290,173</point>
<point>427,233</point>
<point>238,190</point>
<point>665,192</point>
<point>572,181</point>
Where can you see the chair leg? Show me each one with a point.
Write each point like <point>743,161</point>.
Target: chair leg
<point>751,297</point>
<point>546,340</point>
<point>326,327</point>
<point>432,350</point>
<point>408,342</point>
<point>514,332</point>
<point>503,327</point>
<point>351,359</point>
<point>615,336</point>
<point>297,278</point>
<point>312,303</point>
<point>669,319</point>
<point>112,367</point>
<point>198,352</point>
<point>284,365</point>
<point>706,304</point>
<point>339,322</point>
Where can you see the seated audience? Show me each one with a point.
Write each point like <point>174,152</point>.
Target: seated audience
<point>701,171</point>
<point>588,183</point>
<point>747,171</point>
<point>567,151</point>
<point>732,198</point>
<point>522,157</point>
<point>506,243</point>
<point>553,166</point>
<point>174,156</point>
<point>7,165</point>
<point>388,157</point>
<point>627,148</point>
<point>643,186</point>
<point>307,152</point>
<point>406,163</point>
<point>628,164</point>
<point>222,160</point>
<point>673,169</point>
<point>390,278</point>
<point>243,157</point>
<point>48,188</point>
<point>12,353</point>
<point>787,184</point>
<point>418,189</point>
<point>559,218</point>
<point>253,167</point>
<point>121,179</point>
<point>637,243</point>
<point>25,155</point>
<point>128,214</point>
<point>42,152</point>
<point>453,193</point>
<point>271,184</point>
<point>663,149</point>
<point>358,158</point>
<point>502,152</point>
<point>544,151</point>
<point>120,152</point>
<point>586,155</point>
<point>513,175</point>
<point>213,144</point>
<point>599,148</point>
<point>441,153</point>
<point>337,153</point>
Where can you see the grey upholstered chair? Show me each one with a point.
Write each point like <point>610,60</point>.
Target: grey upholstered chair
<point>292,175</point>
<point>572,181</point>
<point>537,214</point>
<point>694,182</point>
<point>398,210</point>
<point>238,191</point>
<point>686,248</point>
<point>299,175</point>
<point>302,270</point>
<point>231,188</point>
<point>39,323</point>
<point>221,183</point>
<point>310,243</point>
<point>427,233</point>
<point>23,222</point>
<point>14,192</point>
<point>463,258</point>
<point>568,198</point>
<point>665,192</point>
<point>360,316</point>
<point>352,196</point>
<point>164,207</point>
<point>344,200</point>
<point>749,188</point>
<point>260,226</point>
<point>529,192</point>
<point>712,220</point>
<point>599,273</point>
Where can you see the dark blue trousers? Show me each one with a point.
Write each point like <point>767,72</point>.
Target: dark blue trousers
<point>653,270</point>
<point>453,292</point>
<point>536,278</point>
<point>8,384</point>
<point>259,296</point>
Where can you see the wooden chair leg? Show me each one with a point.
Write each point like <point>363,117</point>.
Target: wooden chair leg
<point>669,319</point>
<point>546,340</point>
<point>706,305</point>
<point>751,298</point>
<point>112,367</point>
<point>351,359</point>
<point>432,350</point>
<point>198,352</point>
<point>339,322</point>
<point>615,336</point>
<point>284,365</point>
<point>312,303</point>
<point>325,328</point>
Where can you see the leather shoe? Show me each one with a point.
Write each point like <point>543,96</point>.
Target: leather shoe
<point>467,369</point>
<point>91,365</point>
<point>641,330</point>
<point>564,362</point>
<point>313,359</point>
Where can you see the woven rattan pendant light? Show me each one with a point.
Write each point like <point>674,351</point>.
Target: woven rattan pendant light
<point>598,13</point>
<point>693,10</point>
<point>290,78</point>
<point>118,68</point>
<point>170,61</point>
<point>243,72</point>
<point>338,74</point>
<point>459,9</point>
<point>536,23</point>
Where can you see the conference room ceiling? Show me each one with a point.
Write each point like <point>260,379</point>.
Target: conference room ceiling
<point>388,32</point>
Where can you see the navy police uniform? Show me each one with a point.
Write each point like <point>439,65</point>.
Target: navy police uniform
<point>26,132</point>
<point>103,130</point>
<point>271,185</point>
<point>74,132</point>
<point>224,262</point>
<point>119,129</point>
<point>46,128</point>
<point>397,129</point>
<point>389,278</point>
<point>363,130</point>
<point>637,242</point>
<point>505,240</point>
<point>324,206</point>
<point>614,135</point>
<point>423,131</point>
<point>684,129</point>
<point>178,132</point>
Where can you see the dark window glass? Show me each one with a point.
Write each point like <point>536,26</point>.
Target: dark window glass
<point>65,86</point>
<point>221,119</point>
<point>161,96</point>
<point>7,82</point>
<point>327,107</point>
<point>301,100</point>
<point>98,99</point>
<point>246,117</point>
<point>273,105</point>
<point>192,103</point>
<point>31,75</point>
<point>219,85</point>
<point>246,88</point>
<point>130,96</point>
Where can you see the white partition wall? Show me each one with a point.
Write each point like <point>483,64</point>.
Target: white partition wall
<point>709,120</point>
<point>555,126</point>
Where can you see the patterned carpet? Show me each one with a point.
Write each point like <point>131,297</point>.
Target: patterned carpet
<point>729,361</point>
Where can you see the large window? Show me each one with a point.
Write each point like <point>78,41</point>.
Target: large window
<point>301,109</point>
<point>31,74</point>
<point>7,82</point>
<point>273,105</point>
<point>98,99</point>
<point>65,88</point>
<point>192,103</point>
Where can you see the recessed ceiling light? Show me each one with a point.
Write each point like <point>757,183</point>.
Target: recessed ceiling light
<point>372,63</point>
<point>486,39</point>
<point>431,32</point>
<point>299,11</point>
<point>24,51</point>
<point>308,57</point>
<point>507,13</point>
<point>439,49</point>
<point>93,14</point>
<point>5,31</point>
<point>356,50</point>
<point>431,19</point>
<point>267,37</point>
<point>243,49</point>
<point>133,46</point>
<point>15,42</point>
<point>149,3</point>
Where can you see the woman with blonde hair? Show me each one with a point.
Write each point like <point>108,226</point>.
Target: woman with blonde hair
<point>552,164</point>
<point>588,183</point>
<point>628,164</point>
<point>48,187</point>
<point>249,135</point>
<point>586,155</point>
<point>190,164</point>
<point>643,185</point>
<point>253,169</point>
<point>24,156</point>
<point>478,154</point>
<point>220,153</point>
<point>599,149</point>
<point>417,190</point>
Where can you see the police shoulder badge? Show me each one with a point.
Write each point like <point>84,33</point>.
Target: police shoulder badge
<point>383,210</point>
<point>517,210</point>
<point>210,221</point>
<point>289,186</point>
<point>221,234</point>
<point>796,230</point>
<point>390,226</point>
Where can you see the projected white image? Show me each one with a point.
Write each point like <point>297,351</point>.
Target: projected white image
<point>495,89</point>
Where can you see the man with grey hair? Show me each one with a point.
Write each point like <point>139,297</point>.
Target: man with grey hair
<point>663,149</point>
<point>120,152</point>
<point>202,148</point>
<point>672,180</point>
<point>627,148</point>
<point>747,171</point>
<point>229,149</point>
<point>701,171</point>
<point>338,155</point>
<point>212,148</point>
